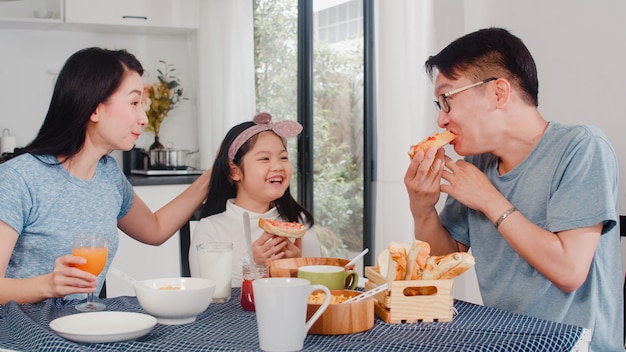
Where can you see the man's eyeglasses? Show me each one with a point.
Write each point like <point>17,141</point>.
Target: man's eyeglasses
<point>442,102</point>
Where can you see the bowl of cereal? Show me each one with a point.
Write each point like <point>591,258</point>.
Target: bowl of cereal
<point>341,318</point>
<point>176,300</point>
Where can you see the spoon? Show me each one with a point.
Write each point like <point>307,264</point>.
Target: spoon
<point>248,234</point>
<point>353,261</point>
<point>367,294</point>
<point>126,277</point>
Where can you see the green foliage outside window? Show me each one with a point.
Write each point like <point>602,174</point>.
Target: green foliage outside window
<point>338,120</point>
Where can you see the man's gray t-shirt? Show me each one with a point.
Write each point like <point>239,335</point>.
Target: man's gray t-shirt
<point>46,206</point>
<point>570,180</point>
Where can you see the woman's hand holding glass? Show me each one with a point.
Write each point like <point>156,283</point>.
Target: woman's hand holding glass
<point>66,279</point>
<point>92,247</point>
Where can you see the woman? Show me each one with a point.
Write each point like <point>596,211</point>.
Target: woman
<point>64,182</point>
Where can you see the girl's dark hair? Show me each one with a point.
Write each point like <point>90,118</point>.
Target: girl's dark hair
<point>222,188</point>
<point>88,78</point>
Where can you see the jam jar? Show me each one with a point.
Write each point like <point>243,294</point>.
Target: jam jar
<point>250,272</point>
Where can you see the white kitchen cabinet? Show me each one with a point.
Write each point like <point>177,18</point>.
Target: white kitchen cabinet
<point>33,14</point>
<point>148,14</point>
<point>143,261</point>
<point>136,16</point>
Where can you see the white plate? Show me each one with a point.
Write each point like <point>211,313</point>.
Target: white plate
<point>96,327</point>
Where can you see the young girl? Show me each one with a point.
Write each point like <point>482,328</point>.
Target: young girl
<point>251,174</point>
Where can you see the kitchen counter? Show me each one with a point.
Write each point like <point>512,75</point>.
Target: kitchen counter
<point>141,180</point>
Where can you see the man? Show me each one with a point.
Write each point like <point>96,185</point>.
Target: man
<point>536,201</point>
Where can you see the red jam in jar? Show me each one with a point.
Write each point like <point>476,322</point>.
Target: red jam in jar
<point>250,273</point>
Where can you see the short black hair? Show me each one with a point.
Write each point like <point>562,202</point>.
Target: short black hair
<point>489,52</point>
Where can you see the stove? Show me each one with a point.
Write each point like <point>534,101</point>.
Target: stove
<point>168,172</point>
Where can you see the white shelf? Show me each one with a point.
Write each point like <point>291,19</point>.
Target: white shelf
<point>135,17</point>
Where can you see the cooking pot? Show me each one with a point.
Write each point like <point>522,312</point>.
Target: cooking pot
<point>169,159</point>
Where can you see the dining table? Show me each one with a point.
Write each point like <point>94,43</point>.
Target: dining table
<point>228,327</point>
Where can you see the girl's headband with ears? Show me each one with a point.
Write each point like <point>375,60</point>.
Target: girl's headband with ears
<point>263,122</point>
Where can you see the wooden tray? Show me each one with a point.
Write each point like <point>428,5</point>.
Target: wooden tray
<point>288,267</point>
<point>411,301</point>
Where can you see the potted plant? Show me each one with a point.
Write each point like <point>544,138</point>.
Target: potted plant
<point>159,98</point>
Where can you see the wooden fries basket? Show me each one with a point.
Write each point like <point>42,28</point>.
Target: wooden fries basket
<point>411,301</point>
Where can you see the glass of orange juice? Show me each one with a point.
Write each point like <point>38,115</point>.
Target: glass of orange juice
<point>92,247</point>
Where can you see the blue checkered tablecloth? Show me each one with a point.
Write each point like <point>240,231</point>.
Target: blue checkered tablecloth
<point>227,327</point>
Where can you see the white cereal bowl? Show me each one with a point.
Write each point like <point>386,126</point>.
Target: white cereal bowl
<point>176,300</point>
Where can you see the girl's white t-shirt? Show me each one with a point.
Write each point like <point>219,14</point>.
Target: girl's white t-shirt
<point>228,227</point>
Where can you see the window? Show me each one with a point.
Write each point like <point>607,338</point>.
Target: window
<point>339,22</point>
<point>321,83</point>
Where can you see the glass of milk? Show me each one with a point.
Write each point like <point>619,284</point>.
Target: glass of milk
<point>216,263</point>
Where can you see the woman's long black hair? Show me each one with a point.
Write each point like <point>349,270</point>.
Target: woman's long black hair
<point>222,188</point>
<point>88,78</point>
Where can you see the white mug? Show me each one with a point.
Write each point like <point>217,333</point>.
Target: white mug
<point>281,305</point>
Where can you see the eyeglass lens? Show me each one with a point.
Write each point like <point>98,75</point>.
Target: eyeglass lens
<point>442,103</point>
<point>442,100</point>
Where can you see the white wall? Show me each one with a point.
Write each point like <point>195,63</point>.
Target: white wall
<point>31,59</point>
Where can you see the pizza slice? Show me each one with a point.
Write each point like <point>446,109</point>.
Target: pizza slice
<point>282,228</point>
<point>436,140</point>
